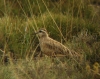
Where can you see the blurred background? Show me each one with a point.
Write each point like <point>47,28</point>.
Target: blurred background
<point>75,23</point>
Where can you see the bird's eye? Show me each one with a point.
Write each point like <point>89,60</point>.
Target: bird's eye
<point>40,31</point>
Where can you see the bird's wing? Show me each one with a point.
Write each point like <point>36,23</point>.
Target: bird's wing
<point>57,47</point>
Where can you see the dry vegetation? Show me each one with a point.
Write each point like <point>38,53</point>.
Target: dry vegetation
<point>75,23</point>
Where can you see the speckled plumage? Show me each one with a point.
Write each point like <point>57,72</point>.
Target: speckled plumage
<point>51,47</point>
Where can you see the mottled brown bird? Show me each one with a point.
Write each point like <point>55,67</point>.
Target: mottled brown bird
<point>51,47</point>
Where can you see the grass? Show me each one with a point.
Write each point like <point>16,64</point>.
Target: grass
<point>75,23</point>
<point>42,68</point>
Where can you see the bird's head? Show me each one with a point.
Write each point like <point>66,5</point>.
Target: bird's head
<point>42,33</point>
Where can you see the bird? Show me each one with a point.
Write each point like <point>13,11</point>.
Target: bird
<point>51,47</point>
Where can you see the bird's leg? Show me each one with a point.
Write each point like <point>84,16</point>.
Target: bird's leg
<point>52,57</point>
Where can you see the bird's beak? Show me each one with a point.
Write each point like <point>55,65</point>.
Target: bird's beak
<point>36,33</point>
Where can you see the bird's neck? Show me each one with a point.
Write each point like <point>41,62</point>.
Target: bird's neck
<point>43,38</point>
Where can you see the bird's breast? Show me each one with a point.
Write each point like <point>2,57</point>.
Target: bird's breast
<point>45,49</point>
